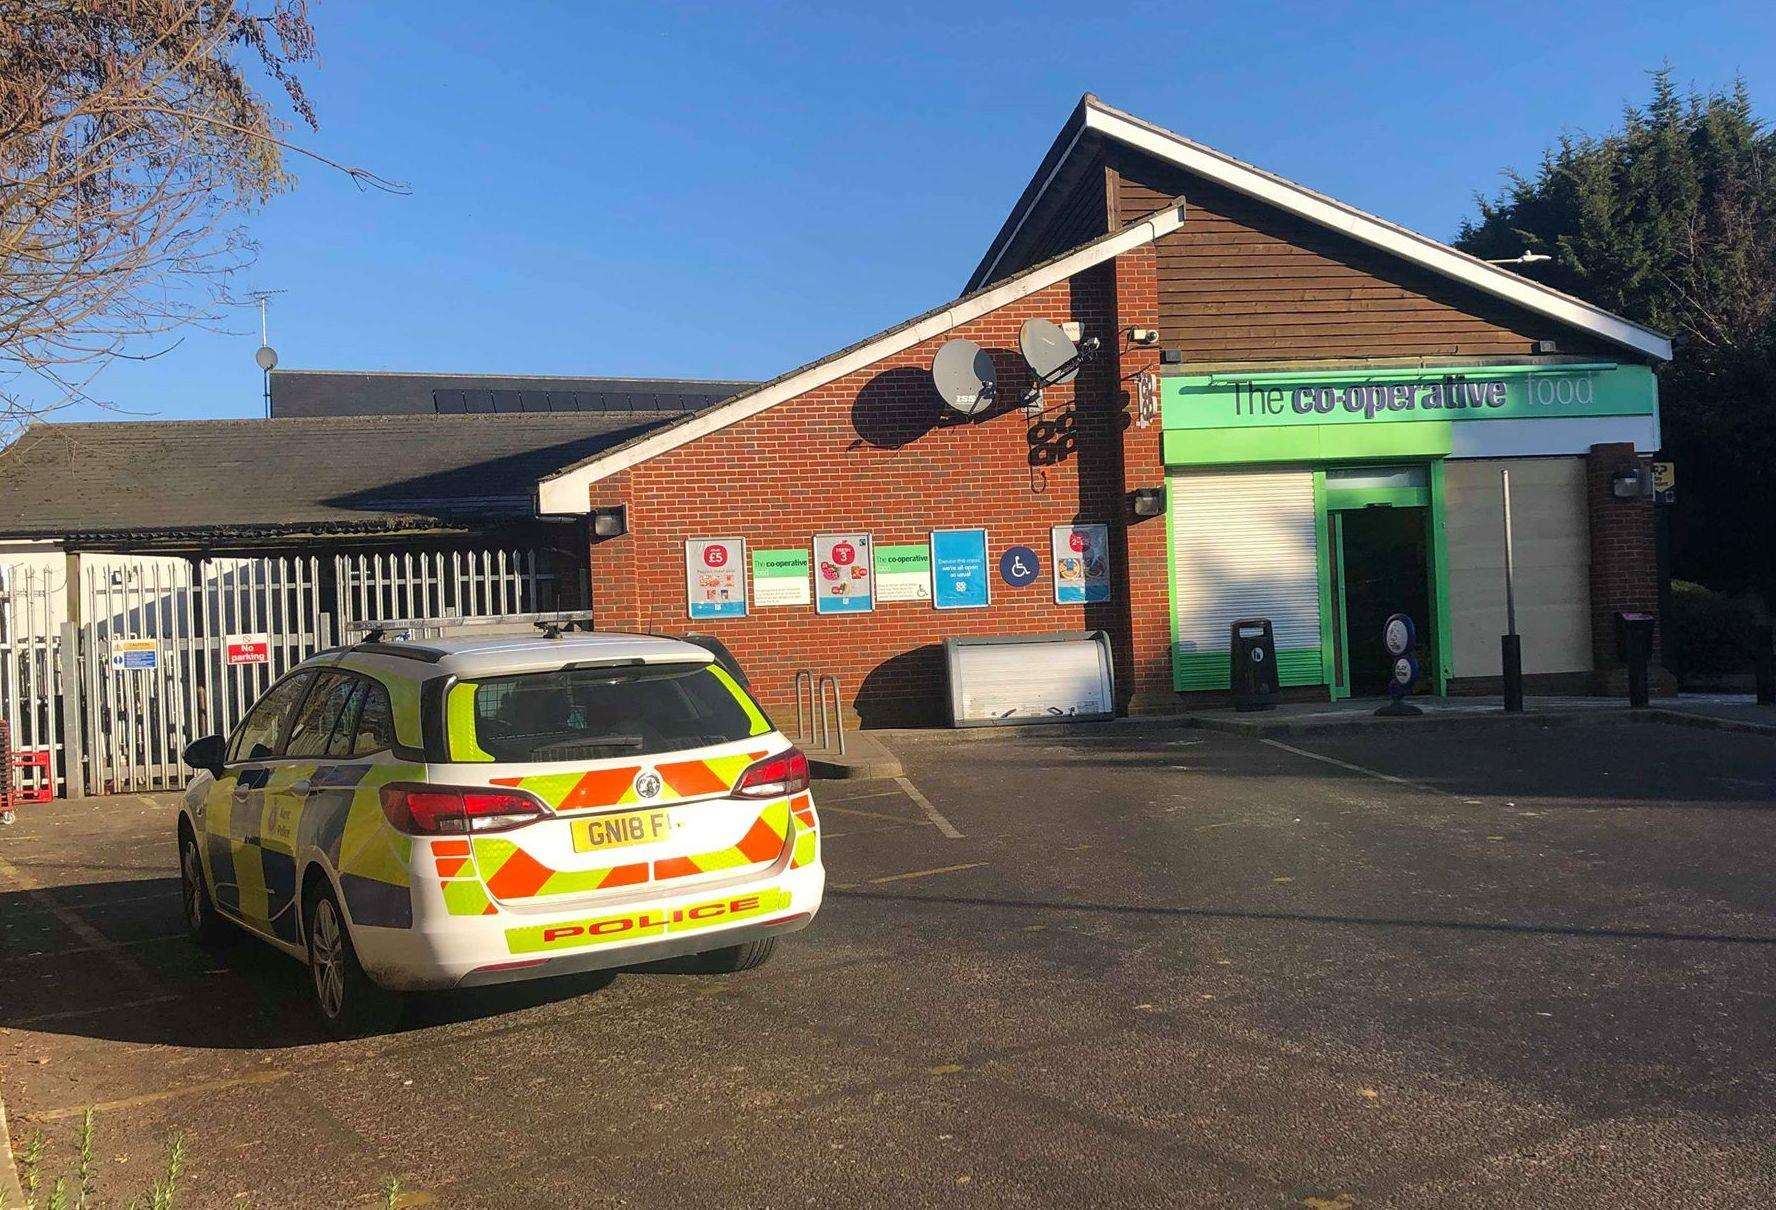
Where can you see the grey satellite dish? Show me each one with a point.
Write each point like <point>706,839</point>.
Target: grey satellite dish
<point>266,358</point>
<point>1052,355</point>
<point>965,377</point>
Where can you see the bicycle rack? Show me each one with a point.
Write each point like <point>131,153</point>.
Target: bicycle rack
<point>816,715</point>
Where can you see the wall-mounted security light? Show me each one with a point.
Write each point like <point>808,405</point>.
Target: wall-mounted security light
<point>1171,357</point>
<point>1143,336</point>
<point>1546,346</point>
<point>610,522</point>
<point>1629,484</point>
<point>1149,501</point>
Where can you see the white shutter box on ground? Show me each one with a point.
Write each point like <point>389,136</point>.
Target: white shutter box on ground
<point>1244,545</point>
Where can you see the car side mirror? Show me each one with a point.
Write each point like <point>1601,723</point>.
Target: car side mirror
<point>207,754</point>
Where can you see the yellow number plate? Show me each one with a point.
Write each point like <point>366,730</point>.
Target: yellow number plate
<point>619,831</point>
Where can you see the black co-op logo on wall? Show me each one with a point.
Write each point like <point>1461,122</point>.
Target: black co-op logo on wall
<point>1052,440</point>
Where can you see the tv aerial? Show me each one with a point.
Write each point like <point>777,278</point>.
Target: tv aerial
<point>964,376</point>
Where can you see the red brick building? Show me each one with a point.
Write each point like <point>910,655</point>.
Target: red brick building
<point>1320,402</point>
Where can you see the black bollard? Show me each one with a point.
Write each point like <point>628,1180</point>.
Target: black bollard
<point>1511,656</point>
<point>1634,644</point>
<point>1765,665</point>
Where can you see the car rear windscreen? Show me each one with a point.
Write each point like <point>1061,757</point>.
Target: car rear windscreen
<point>600,713</point>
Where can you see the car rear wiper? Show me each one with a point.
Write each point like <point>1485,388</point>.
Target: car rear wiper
<point>592,745</point>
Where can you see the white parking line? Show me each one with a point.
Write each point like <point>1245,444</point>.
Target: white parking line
<point>942,869</point>
<point>33,955</point>
<point>826,798</point>
<point>74,924</point>
<point>67,1013</point>
<point>1343,764</point>
<point>257,1077</point>
<point>931,812</point>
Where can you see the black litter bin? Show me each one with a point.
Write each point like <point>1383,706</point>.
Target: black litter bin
<point>1253,678</point>
<point>1634,644</point>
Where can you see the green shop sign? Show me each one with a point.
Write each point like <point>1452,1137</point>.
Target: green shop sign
<point>1221,401</point>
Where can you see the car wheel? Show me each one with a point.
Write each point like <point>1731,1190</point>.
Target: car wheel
<point>735,958</point>
<point>345,999</point>
<point>201,921</point>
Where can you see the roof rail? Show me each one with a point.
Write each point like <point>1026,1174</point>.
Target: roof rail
<point>552,623</point>
<point>405,651</point>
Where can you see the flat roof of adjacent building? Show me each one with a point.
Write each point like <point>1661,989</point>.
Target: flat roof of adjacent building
<point>296,393</point>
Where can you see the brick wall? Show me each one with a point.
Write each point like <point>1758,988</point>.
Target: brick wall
<point>875,451</point>
<point>1624,560</point>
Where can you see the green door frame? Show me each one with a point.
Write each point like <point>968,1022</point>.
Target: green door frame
<point>1331,580</point>
<point>1332,577</point>
<point>1340,677</point>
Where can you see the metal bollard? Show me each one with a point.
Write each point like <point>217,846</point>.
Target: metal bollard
<point>805,676</point>
<point>838,713</point>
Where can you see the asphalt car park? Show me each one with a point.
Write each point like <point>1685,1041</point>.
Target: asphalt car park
<point>1524,964</point>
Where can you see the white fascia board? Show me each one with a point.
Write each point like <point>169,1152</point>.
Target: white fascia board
<point>1027,211</point>
<point>566,493</point>
<point>1377,233</point>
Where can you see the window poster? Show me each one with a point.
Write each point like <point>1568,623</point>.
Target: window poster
<point>780,577</point>
<point>715,577</point>
<point>903,573</point>
<point>844,575</point>
<point>1081,563</point>
<point>959,569</point>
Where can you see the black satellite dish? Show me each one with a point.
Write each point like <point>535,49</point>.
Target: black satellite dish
<point>1052,355</point>
<point>965,377</point>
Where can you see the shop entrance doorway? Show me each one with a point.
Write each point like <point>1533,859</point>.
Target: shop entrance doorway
<point>1383,568</point>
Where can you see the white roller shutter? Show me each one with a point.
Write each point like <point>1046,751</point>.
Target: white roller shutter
<point>1245,544</point>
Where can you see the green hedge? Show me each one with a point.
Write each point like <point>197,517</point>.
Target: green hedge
<point>1710,633</point>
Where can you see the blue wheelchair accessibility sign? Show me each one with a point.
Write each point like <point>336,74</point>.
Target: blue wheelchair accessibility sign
<point>1019,566</point>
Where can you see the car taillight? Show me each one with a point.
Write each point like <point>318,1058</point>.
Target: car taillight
<point>442,810</point>
<point>774,776</point>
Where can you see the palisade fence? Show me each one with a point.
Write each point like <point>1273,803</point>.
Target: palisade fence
<point>31,673</point>
<point>167,650</point>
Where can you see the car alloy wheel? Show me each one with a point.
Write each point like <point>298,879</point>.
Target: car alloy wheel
<point>191,886</point>
<point>327,960</point>
<point>201,919</point>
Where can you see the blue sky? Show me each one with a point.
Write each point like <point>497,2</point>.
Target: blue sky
<point>733,189</point>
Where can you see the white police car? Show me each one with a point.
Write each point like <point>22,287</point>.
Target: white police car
<point>474,810</point>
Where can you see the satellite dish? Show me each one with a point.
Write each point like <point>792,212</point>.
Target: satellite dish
<point>965,377</point>
<point>266,358</point>
<point>1052,355</point>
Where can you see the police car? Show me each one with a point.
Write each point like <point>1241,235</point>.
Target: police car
<point>405,815</point>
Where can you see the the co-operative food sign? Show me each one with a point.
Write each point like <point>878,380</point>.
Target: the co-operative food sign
<point>1471,393</point>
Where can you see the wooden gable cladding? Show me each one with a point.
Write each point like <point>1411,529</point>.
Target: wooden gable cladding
<point>1072,213</point>
<point>1242,281</point>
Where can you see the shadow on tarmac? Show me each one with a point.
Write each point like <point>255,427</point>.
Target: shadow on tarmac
<point>1596,764</point>
<point>1209,913</point>
<point>163,989</point>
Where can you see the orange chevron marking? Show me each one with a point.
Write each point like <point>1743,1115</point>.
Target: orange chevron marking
<point>600,788</point>
<point>760,843</point>
<point>675,867</point>
<point>522,875</point>
<point>691,778</point>
<point>626,875</point>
